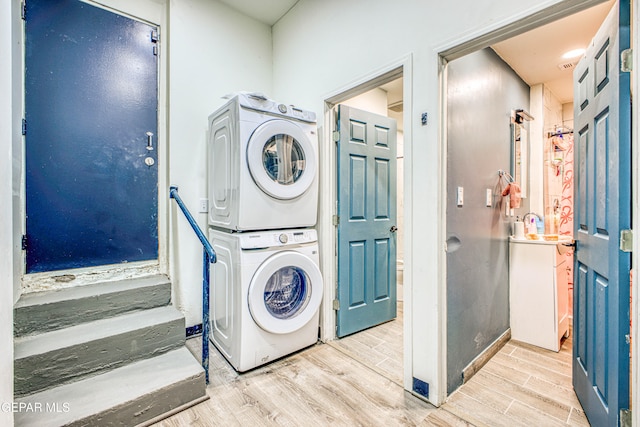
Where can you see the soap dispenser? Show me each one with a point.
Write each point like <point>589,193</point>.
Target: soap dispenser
<point>518,228</point>
<point>531,227</point>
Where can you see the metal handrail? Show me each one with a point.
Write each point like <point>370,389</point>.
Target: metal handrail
<point>208,257</point>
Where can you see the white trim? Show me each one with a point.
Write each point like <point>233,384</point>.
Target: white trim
<point>328,196</point>
<point>528,19</point>
<point>10,216</point>
<point>441,288</point>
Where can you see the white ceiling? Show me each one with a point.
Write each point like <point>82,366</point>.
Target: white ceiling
<point>535,55</point>
<point>265,11</point>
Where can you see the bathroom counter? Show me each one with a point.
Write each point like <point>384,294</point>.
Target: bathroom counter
<point>541,241</point>
<point>538,296</point>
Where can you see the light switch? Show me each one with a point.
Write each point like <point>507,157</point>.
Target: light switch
<point>460,196</point>
<point>489,198</point>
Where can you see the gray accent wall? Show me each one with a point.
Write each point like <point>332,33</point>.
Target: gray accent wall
<point>482,92</point>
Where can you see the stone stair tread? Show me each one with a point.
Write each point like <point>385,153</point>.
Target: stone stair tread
<point>91,331</point>
<point>57,309</point>
<point>85,291</point>
<point>127,395</point>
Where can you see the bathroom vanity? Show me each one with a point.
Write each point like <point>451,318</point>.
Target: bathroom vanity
<point>538,295</point>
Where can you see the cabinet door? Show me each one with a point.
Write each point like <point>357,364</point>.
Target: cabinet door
<point>562,289</point>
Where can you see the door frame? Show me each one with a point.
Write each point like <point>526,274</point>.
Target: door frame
<point>328,199</point>
<point>155,14</point>
<point>502,31</point>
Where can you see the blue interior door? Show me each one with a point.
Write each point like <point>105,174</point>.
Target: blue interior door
<point>602,208</point>
<point>91,102</point>
<point>367,220</point>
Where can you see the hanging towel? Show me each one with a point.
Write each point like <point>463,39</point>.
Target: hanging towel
<point>513,190</point>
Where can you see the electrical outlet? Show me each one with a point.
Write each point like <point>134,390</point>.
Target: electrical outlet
<point>204,206</point>
<point>489,200</point>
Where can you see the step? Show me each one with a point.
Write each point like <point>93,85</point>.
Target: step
<point>57,309</point>
<point>125,396</point>
<point>57,357</point>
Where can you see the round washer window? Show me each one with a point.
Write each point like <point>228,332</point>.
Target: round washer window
<point>287,292</point>
<point>283,159</point>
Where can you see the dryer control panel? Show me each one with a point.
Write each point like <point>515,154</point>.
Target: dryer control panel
<point>276,238</point>
<point>261,103</point>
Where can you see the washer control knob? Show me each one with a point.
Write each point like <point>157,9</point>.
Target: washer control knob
<point>283,238</point>
<point>282,108</point>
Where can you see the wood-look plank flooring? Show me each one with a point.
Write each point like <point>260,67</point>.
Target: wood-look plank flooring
<point>379,348</point>
<point>358,381</point>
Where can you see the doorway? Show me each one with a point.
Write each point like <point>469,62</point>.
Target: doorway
<point>400,90</point>
<point>551,126</point>
<point>380,347</point>
<point>91,162</point>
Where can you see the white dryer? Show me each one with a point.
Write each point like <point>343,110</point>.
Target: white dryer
<point>262,165</point>
<point>265,295</point>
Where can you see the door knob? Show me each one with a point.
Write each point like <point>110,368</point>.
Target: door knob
<point>393,229</point>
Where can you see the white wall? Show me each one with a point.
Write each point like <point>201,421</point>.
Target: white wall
<point>320,48</point>
<point>567,115</point>
<point>374,101</point>
<point>6,215</point>
<point>536,149</point>
<point>548,113</point>
<point>213,51</point>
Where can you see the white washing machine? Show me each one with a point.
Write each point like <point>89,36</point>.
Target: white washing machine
<point>265,296</point>
<point>262,165</point>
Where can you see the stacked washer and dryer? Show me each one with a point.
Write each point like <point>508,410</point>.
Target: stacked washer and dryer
<point>263,200</point>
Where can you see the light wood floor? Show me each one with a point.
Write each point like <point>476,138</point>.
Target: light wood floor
<point>378,348</point>
<point>358,381</point>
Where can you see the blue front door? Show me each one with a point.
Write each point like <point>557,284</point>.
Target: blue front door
<point>91,129</point>
<point>367,220</point>
<point>602,207</point>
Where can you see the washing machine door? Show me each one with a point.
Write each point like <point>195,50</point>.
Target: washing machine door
<point>285,292</point>
<point>281,159</point>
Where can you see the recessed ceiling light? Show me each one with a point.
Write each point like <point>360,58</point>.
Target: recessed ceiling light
<point>573,53</point>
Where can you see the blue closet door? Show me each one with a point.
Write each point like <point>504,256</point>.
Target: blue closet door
<point>91,102</point>
<point>602,207</point>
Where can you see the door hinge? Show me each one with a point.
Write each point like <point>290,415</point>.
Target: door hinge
<point>336,220</point>
<point>155,37</point>
<point>336,304</point>
<point>24,242</point>
<point>625,418</point>
<point>24,127</point>
<point>626,60</point>
<point>336,136</point>
<point>626,240</point>
<point>23,10</point>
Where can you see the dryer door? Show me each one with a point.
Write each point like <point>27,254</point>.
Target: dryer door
<point>285,292</point>
<point>281,159</point>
